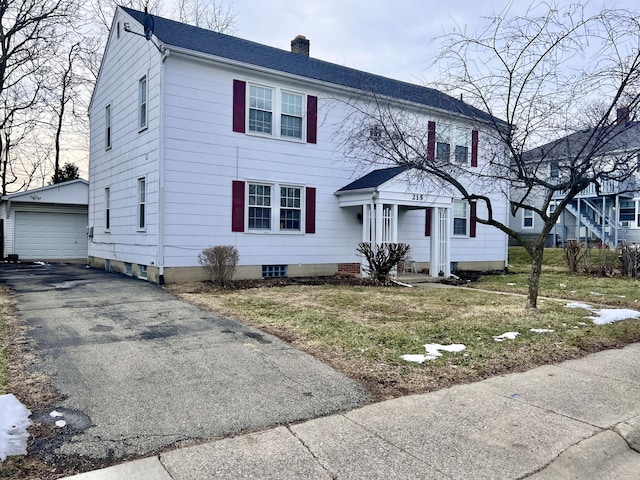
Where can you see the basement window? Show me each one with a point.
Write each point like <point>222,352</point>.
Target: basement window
<point>274,271</point>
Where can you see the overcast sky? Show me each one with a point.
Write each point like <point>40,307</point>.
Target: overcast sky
<point>391,38</point>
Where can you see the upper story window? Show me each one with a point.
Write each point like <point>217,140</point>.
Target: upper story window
<point>107,127</point>
<point>107,208</point>
<point>142,203</point>
<point>272,111</point>
<point>460,217</point>
<point>443,141</point>
<point>142,103</point>
<point>260,109</point>
<point>291,116</point>
<point>461,151</point>
<point>527,218</point>
<point>554,168</point>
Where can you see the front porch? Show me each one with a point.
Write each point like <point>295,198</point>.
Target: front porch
<point>390,212</point>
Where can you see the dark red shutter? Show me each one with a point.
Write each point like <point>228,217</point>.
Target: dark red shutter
<point>239,110</point>
<point>237,206</point>
<point>472,220</point>
<point>310,211</point>
<point>427,224</point>
<point>431,141</point>
<point>474,148</point>
<point>312,119</point>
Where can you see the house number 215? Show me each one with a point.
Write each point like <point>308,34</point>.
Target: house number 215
<point>417,197</point>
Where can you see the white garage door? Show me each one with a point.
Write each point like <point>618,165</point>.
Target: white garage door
<point>50,236</point>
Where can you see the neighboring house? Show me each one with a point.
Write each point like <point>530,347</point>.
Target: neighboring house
<point>202,139</point>
<point>48,223</point>
<point>605,217</point>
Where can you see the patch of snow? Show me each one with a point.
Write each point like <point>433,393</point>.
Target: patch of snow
<point>511,284</point>
<point>506,336</point>
<point>416,358</point>
<point>60,423</point>
<point>433,352</point>
<point>55,414</point>
<point>621,296</point>
<point>585,306</point>
<point>542,330</point>
<point>604,316</point>
<point>610,315</point>
<point>13,427</point>
<point>596,294</point>
<point>434,348</point>
<point>40,263</point>
<point>573,291</point>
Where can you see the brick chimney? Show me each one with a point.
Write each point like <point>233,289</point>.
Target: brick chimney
<point>300,44</point>
<point>622,115</point>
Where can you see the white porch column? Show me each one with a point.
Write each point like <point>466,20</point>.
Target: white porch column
<point>366,223</point>
<point>446,241</point>
<point>378,229</point>
<point>434,262</point>
<point>394,223</point>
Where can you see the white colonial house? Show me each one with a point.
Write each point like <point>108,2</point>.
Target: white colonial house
<point>47,223</point>
<point>201,139</point>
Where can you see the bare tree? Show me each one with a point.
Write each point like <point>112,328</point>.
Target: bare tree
<point>29,31</point>
<point>536,77</point>
<point>209,14</point>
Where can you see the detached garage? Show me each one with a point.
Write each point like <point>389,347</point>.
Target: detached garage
<point>48,223</point>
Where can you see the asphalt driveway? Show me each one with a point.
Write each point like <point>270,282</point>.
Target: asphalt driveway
<point>141,370</point>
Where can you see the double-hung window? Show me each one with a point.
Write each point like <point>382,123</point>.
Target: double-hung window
<point>142,203</point>
<point>260,109</point>
<point>527,218</point>
<point>107,208</point>
<point>291,115</point>
<point>460,217</point>
<point>259,206</point>
<point>461,150</point>
<point>290,208</point>
<point>107,127</point>
<point>443,142</point>
<point>142,103</point>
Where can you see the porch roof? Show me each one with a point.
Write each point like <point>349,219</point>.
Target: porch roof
<point>374,179</point>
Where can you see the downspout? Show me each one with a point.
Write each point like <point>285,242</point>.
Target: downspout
<point>161,171</point>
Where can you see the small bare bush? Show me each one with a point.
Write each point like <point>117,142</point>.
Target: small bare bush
<point>573,252</point>
<point>382,259</point>
<point>630,259</point>
<point>220,262</point>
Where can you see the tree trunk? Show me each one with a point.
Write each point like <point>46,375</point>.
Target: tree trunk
<point>534,276</point>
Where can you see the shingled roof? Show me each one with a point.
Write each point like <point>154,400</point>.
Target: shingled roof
<point>375,178</point>
<point>176,34</point>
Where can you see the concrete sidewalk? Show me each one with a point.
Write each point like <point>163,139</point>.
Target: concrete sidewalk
<point>575,420</point>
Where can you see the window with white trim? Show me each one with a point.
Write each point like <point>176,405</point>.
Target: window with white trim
<point>260,109</point>
<point>259,207</point>
<point>107,127</point>
<point>107,208</point>
<point>276,112</point>
<point>460,217</point>
<point>443,141</point>
<point>142,203</point>
<point>291,115</point>
<point>142,103</point>
<point>290,208</point>
<point>274,207</point>
<point>527,218</point>
<point>461,149</point>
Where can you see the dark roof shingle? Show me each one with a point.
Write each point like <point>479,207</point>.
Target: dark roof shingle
<point>375,178</point>
<point>172,33</point>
